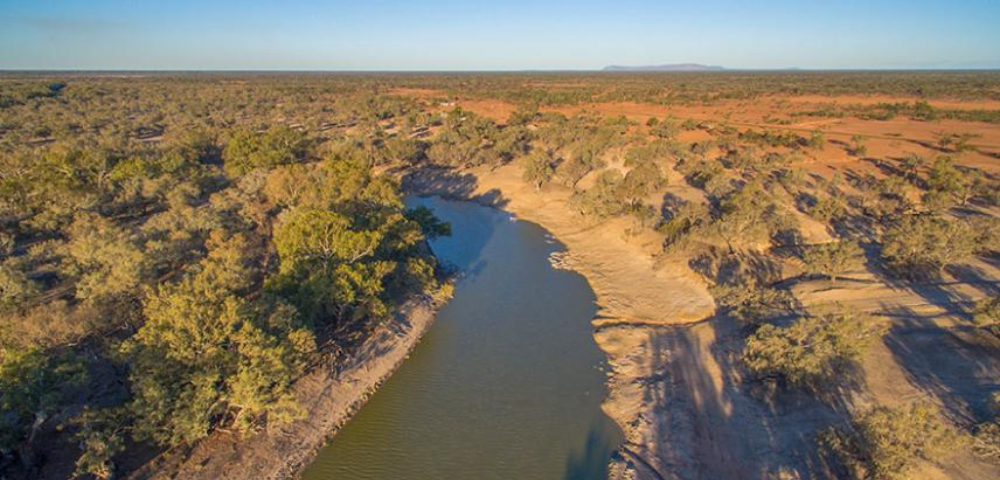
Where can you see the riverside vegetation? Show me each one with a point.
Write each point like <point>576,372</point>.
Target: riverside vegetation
<point>178,250</point>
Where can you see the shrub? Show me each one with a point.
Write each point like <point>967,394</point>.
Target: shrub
<point>947,180</point>
<point>685,219</point>
<point>817,140</point>
<point>827,208</point>
<point>884,443</point>
<point>859,145</point>
<point>987,314</point>
<point>538,168</point>
<point>813,349</point>
<point>750,302</point>
<point>604,199</point>
<point>986,441</point>
<point>919,246</point>
<point>832,259</point>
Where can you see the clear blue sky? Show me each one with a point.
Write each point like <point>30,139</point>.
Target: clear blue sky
<point>497,35</point>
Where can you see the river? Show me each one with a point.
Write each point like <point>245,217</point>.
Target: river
<point>507,384</point>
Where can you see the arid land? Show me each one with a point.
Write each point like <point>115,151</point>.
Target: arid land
<point>160,182</point>
<point>689,410</point>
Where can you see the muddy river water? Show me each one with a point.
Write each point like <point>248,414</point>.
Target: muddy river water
<point>508,382</point>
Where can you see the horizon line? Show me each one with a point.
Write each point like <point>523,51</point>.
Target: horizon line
<point>602,70</point>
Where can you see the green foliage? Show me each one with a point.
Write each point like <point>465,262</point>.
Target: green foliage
<point>827,208</point>
<point>207,355</point>
<point>586,141</point>
<point>328,265</point>
<point>919,246</point>
<point>812,350</point>
<point>344,237</point>
<point>884,443</point>
<point>111,189</point>
<point>538,168</point>
<point>470,140</point>
<point>310,235</point>
<point>101,439</point>
<point>986,441</point>
<point>707,175</point>
<point>684,220</point>
<point>15,287</point>
<point>986,190</point>
<point>604,199</point>
<point>33,384</point>
<point>817,140</point>
<point>986,314</point>
<point>911,165</point>
<point>957,142</point>
<point>641,181</point>
<point>657,152</point>
<point>247,150</point>
<point>947,185</point>
<point>746,217</point>
<point>104,258</point>
<point>832,259</point>
<point>751,302</point>
<point>859,145</point>
<point>668,128</point>
<point>333,184</point>
<point>431,226</point>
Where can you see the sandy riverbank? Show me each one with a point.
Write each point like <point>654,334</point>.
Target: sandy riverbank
<point>330,400</point>
<point>675,386</point>
<point>638,302</point>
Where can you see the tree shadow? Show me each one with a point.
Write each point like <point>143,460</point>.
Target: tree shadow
<point>976,277</point>
<point>592,463</point>
<point>723,426</point>
<point>722,266</point>
<point>957,365</point>
<point>449,184</point>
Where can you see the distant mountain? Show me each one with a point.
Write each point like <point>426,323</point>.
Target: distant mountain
<point>673,67</point>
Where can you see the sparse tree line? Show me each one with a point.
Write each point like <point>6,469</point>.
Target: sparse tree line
<point>917,220</point>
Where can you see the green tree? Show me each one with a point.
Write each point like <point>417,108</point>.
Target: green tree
<point>209,355</point>
<point>15,287</point>
<point>101,439</point>
<point>604,199</point>
<point>668,128</point>
<point>921,245</point>
<point>642,180</point>
<point>430,225</point>
<point>309,234</point>
<point>746,216</point>
<point>33,387</point>
<point>683,222</point>
<point>247,150</point>
<point>812,350</point>
<point>538,168</point>
<point>832,259</point>
<point>104,258</point>
<point>884,443</point>
<point>911,165</point>
<point>946,180</point>
<point>751,302</point>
